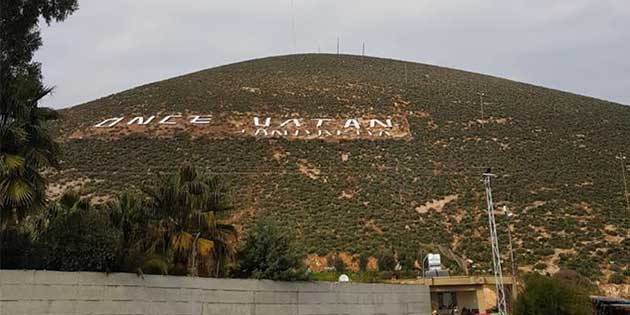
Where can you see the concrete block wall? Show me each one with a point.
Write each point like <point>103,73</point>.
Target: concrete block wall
<point>53,292</point>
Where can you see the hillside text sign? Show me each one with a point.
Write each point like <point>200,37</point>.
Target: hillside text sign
<point>259,126</point>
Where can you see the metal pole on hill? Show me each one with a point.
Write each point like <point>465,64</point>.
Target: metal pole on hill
<point>337,45</point>
<point>510,216</point>
<point>481,104</point>
<point>621,157</point>
<point>496,254</point>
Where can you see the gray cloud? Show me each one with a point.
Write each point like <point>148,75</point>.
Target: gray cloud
<point>108,46</point>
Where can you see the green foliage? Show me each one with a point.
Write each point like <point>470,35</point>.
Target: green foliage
<point>386,261</point>
<point>546,295</point>
<point>363,262</point>
<point>386,275</point>
<point>176,227</point>
<point>616,278</point>
<point>189,207</point>
<point>26,146</point>
<point>540,266</point>
<point>20,250</point>
<point>81,240</point>
<point>267,254</point>
<point>335,261</point>
<point>585,266</point>
<point>553,152</point>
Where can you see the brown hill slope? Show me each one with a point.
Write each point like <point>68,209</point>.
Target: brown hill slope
<point>404,187</point>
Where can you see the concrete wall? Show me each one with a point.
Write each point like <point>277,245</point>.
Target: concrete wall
<point>51,292</point>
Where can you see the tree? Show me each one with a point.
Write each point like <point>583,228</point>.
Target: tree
<point>267,254</point>
<point>129,214</point>
<point>80,238</point>
<point>189,207</point>
<point>26,146</point>
<point>546,295</point>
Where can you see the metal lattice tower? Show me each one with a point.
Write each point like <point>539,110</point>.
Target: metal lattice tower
<point>496,254</point>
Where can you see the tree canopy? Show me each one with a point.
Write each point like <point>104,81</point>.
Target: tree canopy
<point>26,146</point>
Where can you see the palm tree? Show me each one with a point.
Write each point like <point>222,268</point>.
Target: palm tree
<point>142,250</point>
<point>26,149</point>
<point>189,206</point>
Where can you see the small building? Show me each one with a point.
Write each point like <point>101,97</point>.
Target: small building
<point>474,293</point>
<point>610,306</point>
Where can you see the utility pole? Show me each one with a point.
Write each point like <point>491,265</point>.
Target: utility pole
<point>337,45</point>
<point>363,49</point>
<point>621,157</point>
<point>496,253</point>
<point>510,215</point>
<point>481,95</point>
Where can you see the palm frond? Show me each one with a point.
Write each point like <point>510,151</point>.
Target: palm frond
<point>204,247</point>
<point>11,162</point>
<point>19,192</point>
<point>181,241</point>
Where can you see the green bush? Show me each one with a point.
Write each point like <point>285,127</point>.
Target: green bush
<point>546,295</point>
<point>81,240</point>
<point>267,254</point>
<point>540,266</point>
<point>386,275</point>
<point>335,261</point>
<point>616,278</point>
<point>19,251</point>
<point>386,262</point>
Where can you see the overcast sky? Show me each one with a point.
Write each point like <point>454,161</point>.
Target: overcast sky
<point>581,46</point>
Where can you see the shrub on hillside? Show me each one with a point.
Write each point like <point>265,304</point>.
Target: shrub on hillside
<point>546,295</point>
<point>386,262</point>
<point>336,262</point>
<point>267,254</point>
<point>616,278</point>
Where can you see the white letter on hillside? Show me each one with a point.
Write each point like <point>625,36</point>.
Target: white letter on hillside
<point>166,119</point>
<point>140,120</point>
<point>257,122</point>
<point>320,121</point>
<point>201,119</point>
<point>352,123</point>
<point>112,122</point>
<point>295,121</point>
<point>387,124</point>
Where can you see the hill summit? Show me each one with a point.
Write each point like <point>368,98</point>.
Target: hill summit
<point>363,155</point>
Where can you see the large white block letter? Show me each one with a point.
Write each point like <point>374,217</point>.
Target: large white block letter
<point>140,120</point>
<point>110,122</point>
<point>258,124</point>
<point>165,120</point>
<point>200,119</point>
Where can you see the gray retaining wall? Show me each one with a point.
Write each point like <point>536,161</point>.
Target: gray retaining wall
<point>52,292</point>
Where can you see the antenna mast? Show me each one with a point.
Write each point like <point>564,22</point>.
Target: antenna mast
<point>496,254</point>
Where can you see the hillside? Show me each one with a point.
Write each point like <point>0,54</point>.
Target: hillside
<point>416,185</point>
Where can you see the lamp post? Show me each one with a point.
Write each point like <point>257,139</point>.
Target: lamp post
<point>621,157</point>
